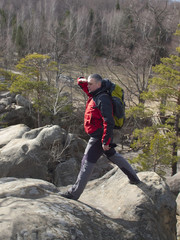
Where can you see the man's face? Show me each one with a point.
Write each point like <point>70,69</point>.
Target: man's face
<point>93,85</point>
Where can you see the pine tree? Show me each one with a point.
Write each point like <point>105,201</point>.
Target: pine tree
<point>164,89</point>
<point>20,40</point>
<point>157,147</point>
<point>33,80</point>
<point>117,6</point>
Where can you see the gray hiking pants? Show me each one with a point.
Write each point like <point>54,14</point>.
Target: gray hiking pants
<point>92,153</point>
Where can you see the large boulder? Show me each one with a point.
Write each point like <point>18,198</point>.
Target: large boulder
<point>15,109</point>
<point>178,216</point>
<point>28,156</point>
<point>6,101</point>
<point>33,209</point>
<point>178,204</point>
<point>13,114</point>
<point>9,133</point>
<point>24,102</point>
<point>102,166</point>
<point>148,209</point>
<point>178,227</point>
<point>36,153</point>
<point>174,183</point>
<point>66,172</point>
<point>74,146</point>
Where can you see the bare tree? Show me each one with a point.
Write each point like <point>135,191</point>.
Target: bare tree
<point>133,74</point>
<point>82,30</point>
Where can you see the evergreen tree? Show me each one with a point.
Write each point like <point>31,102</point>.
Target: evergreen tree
<point>157,147</point>
<point>164,89</point>
<point>117,6</point>
<point>20,40</point>
<point>33,81</point>
<point>5,78</point>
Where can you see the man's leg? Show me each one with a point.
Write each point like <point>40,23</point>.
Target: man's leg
<point>125,167</point>
<point>84,175</point>
<point>91,155</point>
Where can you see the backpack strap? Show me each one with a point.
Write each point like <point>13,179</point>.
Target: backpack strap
<point>96,98</point>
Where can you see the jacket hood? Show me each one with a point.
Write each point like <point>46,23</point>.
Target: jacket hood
<point>107,84</point>
<point>105,87</point>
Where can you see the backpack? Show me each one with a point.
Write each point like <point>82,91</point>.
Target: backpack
<point>117,95</point>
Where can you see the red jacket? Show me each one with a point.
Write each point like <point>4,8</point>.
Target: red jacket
<point>98,117</point>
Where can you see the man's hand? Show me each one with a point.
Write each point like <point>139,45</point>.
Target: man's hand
<point>105,147</point>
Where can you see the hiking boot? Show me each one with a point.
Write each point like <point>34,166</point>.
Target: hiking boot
<point>135,182</point>
<point>68,195</point>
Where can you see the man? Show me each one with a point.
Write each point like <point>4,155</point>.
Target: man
<point>98,124</point>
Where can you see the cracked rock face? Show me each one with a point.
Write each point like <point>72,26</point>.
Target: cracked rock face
<point>109,209</point>
<point>147,208</point>
<point>47,153</point>
<point>33,209</point>
<point>36,153</point>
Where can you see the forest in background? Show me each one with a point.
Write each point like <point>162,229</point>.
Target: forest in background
<point>82,31</point>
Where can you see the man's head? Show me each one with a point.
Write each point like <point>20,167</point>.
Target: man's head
<point>94,82</point>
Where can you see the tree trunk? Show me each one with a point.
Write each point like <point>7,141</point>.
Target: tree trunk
<point>174,165</point>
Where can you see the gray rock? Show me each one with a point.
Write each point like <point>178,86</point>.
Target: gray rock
<point>15,109</point>
<point>33,209</point>
<point>5,94</point>
<point>178,227</point>
<point>148,209</point>
<point>25,188</point>
<point>14,114</point>
<point>174,183</point>
<point>36,153</point>
<point>178,216</point>
<point>74,146</point>
<point>178,204</point>
<point>27,156</point>
<point>21,101</point>
<point>9,133</point>
<point>66,172</point>
<point>102,166</point>
<point>2,108</point>
<point>6,101</point>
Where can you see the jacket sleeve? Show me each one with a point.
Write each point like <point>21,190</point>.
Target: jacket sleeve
<point>106,109</point>
<point>83,85</point>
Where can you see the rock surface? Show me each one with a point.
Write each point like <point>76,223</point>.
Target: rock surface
<point>47,153</point>
<point>28,156</point>
<point>109,208</point>
<point>178,204</point>
<point>33,209</point>
<point>174,183</point>
<point>36,153</point>
<point>13,132</point>
<point>15,109</point>
<point>149,204</point>
<point>63,173</point>
<point>178,216</point>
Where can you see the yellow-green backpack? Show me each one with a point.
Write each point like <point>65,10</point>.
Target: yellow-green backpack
<point>117,94</point>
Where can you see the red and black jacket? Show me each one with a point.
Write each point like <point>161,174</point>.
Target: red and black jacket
<point>98,117</point>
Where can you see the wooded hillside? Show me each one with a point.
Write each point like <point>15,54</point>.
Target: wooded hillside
<point>83,30</point>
